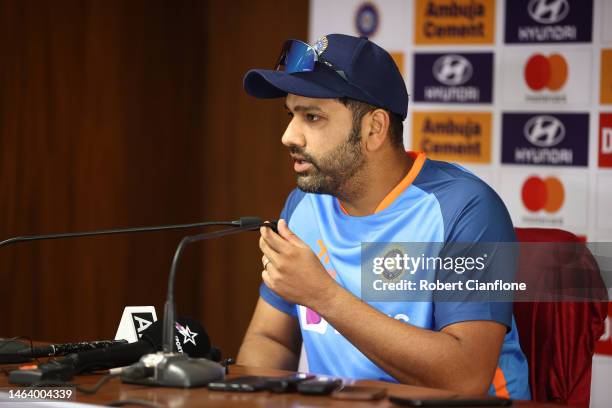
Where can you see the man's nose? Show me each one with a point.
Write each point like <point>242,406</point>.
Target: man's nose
<point>293,136</point>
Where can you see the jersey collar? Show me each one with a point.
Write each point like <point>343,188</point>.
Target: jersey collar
<point>417,165</point>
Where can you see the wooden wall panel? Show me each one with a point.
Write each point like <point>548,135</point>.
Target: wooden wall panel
<point>127,113</point>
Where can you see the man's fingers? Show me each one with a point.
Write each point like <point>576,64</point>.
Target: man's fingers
<point>275,241</point>
<point>268,252</point>
<point>286,233</point>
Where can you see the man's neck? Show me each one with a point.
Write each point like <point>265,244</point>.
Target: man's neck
<point>377,185</point>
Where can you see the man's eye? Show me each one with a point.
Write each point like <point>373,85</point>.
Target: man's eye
<point>312,118</point>
<point>290,114</point>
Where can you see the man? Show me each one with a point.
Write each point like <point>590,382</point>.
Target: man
<point>347,100</point>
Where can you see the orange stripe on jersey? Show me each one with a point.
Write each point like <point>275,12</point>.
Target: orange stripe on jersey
<point>499,383</point>
<point>419,160</point>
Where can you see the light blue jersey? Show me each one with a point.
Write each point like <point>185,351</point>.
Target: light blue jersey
<point>435,202</point>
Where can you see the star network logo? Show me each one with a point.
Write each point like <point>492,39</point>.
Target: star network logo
<point>544,131</point>
<point>547,11</point>
<point>188,335</point>
<point>546,72</point>
<point>543,194</point>
<point>452,70</point>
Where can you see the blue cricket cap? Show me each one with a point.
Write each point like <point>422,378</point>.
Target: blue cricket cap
<point>368,74</point>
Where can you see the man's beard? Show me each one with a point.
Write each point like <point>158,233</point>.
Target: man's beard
<point>331,173</point>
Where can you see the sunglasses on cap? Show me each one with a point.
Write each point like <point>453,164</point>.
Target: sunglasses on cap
<point>297,56</point>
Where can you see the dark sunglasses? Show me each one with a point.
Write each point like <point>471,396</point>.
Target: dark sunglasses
<point>297,56</point>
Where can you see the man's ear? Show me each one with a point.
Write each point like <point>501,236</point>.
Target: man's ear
<point>377,128</point>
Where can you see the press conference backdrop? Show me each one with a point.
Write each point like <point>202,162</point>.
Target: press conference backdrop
<point>517,91</point>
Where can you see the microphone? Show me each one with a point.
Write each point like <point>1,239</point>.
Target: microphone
<point>167,368</point>
<point>236,223</point>
<point>246,224</point>
<point>190,338</point>
<point>67,348</point>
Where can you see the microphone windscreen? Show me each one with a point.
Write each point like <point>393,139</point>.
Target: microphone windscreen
<point>191,338</point>
<point>250,221</point>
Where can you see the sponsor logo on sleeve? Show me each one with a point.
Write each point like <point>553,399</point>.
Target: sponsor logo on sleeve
<point>453,136</point>
<point>453,78</point>
<point>553,139</point>
<point>454,21</point>
<point>548,21</point>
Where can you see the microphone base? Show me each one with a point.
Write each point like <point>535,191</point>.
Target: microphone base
<point>173,370</point>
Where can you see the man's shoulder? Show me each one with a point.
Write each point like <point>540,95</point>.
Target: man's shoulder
<point>465,199</point>
<point>452,184</point>
<point>291,203</point>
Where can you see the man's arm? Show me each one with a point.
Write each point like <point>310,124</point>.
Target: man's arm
<point>272,340</point>
<point>461,357</point>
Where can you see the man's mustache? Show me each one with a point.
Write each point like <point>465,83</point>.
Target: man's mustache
<point>300,152</point>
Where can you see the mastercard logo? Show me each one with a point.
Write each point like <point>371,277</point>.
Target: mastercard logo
<point>546,72</point>
<point>543,194</point>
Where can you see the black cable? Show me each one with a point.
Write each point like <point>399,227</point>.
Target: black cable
<point>92,390</point>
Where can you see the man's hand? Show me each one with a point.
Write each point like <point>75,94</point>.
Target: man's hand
<point>291,268</point>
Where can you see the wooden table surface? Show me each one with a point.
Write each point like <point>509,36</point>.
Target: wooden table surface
<point>174,397</point>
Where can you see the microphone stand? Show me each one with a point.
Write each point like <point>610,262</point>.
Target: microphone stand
<point>178,370</point>
<point>14,240</point>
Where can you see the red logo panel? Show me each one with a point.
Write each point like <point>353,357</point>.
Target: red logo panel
<point>546,72</point>
<point>605,140</point>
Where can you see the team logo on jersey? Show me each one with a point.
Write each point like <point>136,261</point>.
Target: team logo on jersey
<point>392,273</point>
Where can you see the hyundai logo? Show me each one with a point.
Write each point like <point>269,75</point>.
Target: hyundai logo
<point>548,11</point>
<point>544,131</point>
<point>452,70</point>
